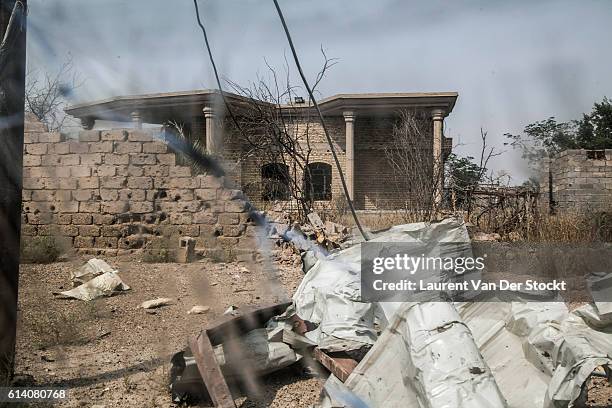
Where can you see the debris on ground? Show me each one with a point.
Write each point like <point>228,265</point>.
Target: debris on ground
<point>407,354</point>
<point>90,270</point>
<point>231,311</point>
<point>155,303</point>
<point>198,309</point>
<point>100,280</point>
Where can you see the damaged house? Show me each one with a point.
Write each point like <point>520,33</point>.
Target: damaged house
<point>360,125</point>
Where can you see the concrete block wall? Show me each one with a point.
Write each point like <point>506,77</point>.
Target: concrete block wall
<point>117,191</point>
<point>375,183</point>
<point>581,180</point>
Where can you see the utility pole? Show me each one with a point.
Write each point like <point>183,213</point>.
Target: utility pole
<point>12,88</point>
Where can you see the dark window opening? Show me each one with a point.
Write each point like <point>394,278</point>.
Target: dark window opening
<point>275,182</point>
<point>318,181</point>
<point>596,154</point>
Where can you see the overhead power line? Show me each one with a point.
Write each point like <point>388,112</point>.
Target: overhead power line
<point>214,66</point>
<point>316,105</point>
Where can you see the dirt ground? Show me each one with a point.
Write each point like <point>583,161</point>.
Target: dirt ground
<point>112,353</point>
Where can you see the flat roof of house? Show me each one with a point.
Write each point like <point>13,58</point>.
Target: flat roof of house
<point>159,107</point>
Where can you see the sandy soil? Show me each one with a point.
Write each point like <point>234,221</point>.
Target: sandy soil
<point>112,353</point>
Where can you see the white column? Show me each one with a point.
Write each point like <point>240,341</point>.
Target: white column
<point>136,120</point>
<point>438,166</point>
<point>349,119</point>
<point>213,136</point>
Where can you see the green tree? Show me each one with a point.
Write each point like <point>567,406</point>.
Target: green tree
<point>548,137</point>
<point>463,175</point>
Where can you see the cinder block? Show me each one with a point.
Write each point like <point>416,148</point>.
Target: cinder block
<point>29,160</point>
<point>168,159</point>
<point>36,148</point>
<point>43,195</point>
<point>142,159</point>
<point>88,230</point>
<point>113,182</point>
<point>206,194</point>
<point>105,242</point>
<point>58,148</point>
<point>140,182</point>
<point>180,171</point>
<point>154,147</point>
<point>63,195</point>
<point>50,160</point>
<point>82,219</point>
<point>88,182</point>
<point>101,147</point>
<point>30,137</point>
<point>235,206</point>
<point>114,207</point>
<point>112,230</point>
<point>78,147</point>
<point>128,147</point>
<point>141,207</point>
<point>109,194</point>
<point>69,230</point>
<point>69,160</point>
<point>33,183</point>
<point>229,219</point>
<point>80,171</point>
<point>82,195</point>
<point>103,219</point>
<point>68,206</point>
<point>156,171</point>
<point>135,171</point>
<point>116,159</point>
<point>132,195</point>
<point>89,136</point>
<point>91,159</point>
<point>114,134</point>
<point>206,218</point>
<point>64,219</point>
<point>83,242</point>
<point>139,136</point>
<point>67,183</point>
<point>49,137</point>
<point>182,182</point>
<point>89,207</point>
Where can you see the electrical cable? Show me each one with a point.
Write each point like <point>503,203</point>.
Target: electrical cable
<point>316,105</point>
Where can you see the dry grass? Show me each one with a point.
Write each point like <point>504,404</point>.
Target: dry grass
<point>41,249</point>
<point>577,227</point>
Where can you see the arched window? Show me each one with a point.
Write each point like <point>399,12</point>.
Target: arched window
<point>318,181</point>
<point>275,182</point>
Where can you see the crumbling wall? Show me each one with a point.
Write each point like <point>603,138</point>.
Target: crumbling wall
<point>116,191</point>
<point>581,180</point>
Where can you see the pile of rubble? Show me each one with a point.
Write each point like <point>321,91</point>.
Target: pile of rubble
<point>291,240</point>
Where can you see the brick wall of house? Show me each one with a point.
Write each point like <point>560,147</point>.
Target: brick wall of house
<point>581,180</point>
<point>375,186</point>
<point>116,191</point>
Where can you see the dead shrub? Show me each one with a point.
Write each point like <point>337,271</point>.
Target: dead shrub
<point>40,249</point>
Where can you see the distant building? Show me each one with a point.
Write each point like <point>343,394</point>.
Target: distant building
<point>577,180</point>
<point>361,125</point>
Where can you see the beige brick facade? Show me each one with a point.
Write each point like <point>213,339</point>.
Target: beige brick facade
<point>120,190</point>
<point>579,180</point>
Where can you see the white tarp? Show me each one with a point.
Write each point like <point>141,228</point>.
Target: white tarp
<point>329,294</point>
<point>106,284</point>
<point>479,354</point>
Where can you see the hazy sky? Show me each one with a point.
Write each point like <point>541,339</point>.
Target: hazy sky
<point>512,62</point>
